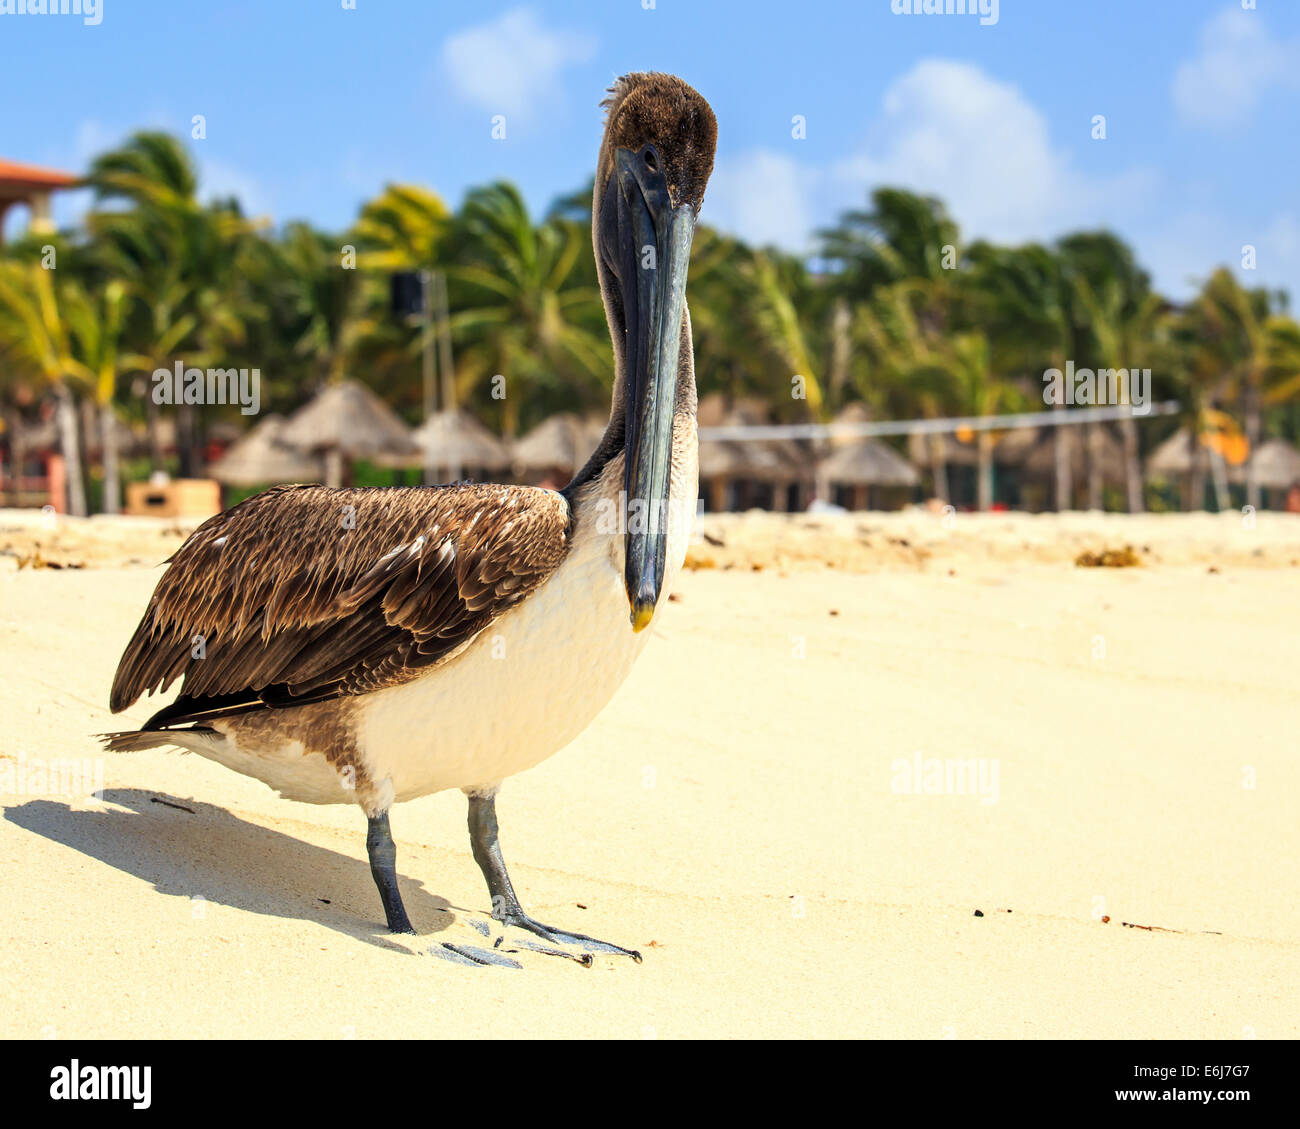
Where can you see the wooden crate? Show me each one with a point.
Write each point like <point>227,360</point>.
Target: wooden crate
<point>181,497</point>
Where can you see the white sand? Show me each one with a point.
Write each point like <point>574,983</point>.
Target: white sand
<point>731,814</point>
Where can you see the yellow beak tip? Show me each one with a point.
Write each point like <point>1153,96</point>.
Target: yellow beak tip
<point>641,618</point>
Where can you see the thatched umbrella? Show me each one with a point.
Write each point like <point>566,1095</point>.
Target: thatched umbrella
<point>1042,458</point>
<point>868,462</point>
<point>1277,466</point>
<point>784,460</point>
<point>711,410</point>
<point>925,449</point>
<point>721,461</point>
<point>1010,448</point>
<point>43,435</point>
<point>224,431</point>
<point>347,421</point>
<point>721,458</point>
<point>775,464</point>
<point>128,442</point>
<point>1183,456</point>
<point>938,451</point>
<point>1176,455</point>
<point>558,446</point>
<point>261,458</point>
<point>859,462</point>
<point>865,464</point>
<point>454,442</point>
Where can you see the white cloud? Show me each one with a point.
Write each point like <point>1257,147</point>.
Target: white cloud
<point>763,197</point>
<point>1237,65</point>
<point>949,129</point>
<point>512,64</point>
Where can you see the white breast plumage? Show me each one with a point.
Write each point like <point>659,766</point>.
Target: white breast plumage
<point>516,694</point>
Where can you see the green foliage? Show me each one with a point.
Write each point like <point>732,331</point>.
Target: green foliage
<point>894,311</point>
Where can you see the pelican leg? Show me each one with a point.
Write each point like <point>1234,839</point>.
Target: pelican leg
<point>383,860</point>
<point>505,903</point>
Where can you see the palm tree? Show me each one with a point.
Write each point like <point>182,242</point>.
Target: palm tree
<point>903,238</point>
<point>36,335</point>
<point>727,358</point>
<point>1283,380</point>
<point>980,393</point>
<point>1199,374</point>
<point>1106,282</point>
<point>183,263</point>
<point>903,235</point>
<point>779,300</point>
<point>95,323</point>
<point>405,228</point>
<point>523,309</point>
<point>328,301</point>
<point>157,334</point>
<point>761,325</point>
<point>1024,299</point>
<point>1256,349</point>
<point>402,229</point>
<point>1127,337</point>
<point>905,365</point>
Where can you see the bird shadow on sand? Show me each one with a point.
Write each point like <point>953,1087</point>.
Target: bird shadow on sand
<point>194,850</point>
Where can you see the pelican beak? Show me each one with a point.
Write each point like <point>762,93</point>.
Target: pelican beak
<point>654,239</point>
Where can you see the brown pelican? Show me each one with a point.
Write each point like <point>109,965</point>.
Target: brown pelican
<point>376,645</point>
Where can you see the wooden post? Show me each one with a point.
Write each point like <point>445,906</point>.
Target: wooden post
<point>718,495</point>
<point>56,471</point>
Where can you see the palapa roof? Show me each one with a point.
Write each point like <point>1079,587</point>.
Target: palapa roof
<point>720,458</point>
<point>768,460</point>
<point>921,449</point>
<point>564,441</point>
<point>1042,459</point>
<point>1013,447</point>
<point>127,439</point>
<point>260,457</point>
<point>351,419</point>
<point>43,435</point>
<point>711,410</point>
<point>1010,448</point>
<point>1277,462</point>
<point>868,462</point>
<point>1174,456</point>
<point>863,461</point>
<point>457,437</point>
<point>1277,465</point>
<point>39,436</point>
<point>224,431</point>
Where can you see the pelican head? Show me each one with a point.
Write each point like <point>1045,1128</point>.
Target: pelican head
<point>655,160</point>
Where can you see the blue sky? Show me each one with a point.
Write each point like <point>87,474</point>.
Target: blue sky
<point>312,107</point>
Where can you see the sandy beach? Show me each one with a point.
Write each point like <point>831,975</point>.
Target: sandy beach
<point>1112,850</point>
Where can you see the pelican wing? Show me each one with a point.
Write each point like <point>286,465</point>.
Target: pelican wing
<point>304,593</point>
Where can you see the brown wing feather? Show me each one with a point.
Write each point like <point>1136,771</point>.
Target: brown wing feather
<point>305,592</point>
